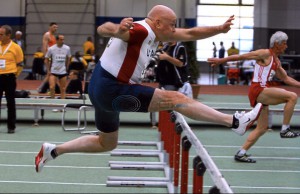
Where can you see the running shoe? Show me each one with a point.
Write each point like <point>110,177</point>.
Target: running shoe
<point>288,133</point>
<point>246,120</point>
<point>244,158</point>
<point>43,156</point>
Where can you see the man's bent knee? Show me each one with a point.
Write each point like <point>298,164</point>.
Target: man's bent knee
<point>108,141</point>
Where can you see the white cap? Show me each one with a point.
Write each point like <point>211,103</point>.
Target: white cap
<point>19,32</point>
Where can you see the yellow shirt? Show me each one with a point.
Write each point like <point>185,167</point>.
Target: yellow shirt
<point>10,55</point>
<point>88,46</point>
<point>38,54</point>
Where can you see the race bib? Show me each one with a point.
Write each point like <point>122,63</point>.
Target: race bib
<point>60,58</point>
<point>2,64</point>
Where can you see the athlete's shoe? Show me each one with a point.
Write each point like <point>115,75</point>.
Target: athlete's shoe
<point>43,156</point>
<point>288,133</point>
<point>246,120</point>
<point>244,158</point>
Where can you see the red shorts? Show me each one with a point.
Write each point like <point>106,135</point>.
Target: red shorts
<point>254,90</point>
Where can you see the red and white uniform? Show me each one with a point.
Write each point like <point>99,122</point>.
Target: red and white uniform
<point>262,77</point>
<point>128,63</point>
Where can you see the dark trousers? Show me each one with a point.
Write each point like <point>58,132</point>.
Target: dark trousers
<point>8,85</point>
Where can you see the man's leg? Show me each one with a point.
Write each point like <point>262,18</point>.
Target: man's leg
<point>62,87</point>
<point>261,128</point>
<point>11,103</point>
<point>86,144</point>
<point>52,82</point>
<point>171,100</point>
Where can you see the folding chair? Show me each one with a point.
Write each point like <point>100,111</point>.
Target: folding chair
<point>233,74</point>
<point>81,108</point>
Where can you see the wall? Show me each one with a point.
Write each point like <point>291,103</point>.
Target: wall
<point>275,15</point>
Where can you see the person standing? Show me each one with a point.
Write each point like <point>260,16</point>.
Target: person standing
<point>88,49</point>
<point>114,84</point>
<point>233,50</point>
<point>18,39</point>
<point>49,37</point>
<point>11,56</point>
<point>214,50</point>
<point>267,66</point>
<point>172,61</point>
<point>58,59</point>
<point>221,55</point>
<point>48,41</point>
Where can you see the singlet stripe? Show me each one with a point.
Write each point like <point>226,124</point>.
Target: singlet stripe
<point>133,51</point>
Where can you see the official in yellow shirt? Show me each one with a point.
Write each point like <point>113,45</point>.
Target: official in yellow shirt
<point>11,56</point>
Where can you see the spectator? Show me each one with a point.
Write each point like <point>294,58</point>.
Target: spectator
<point>88,49</point>
<point>78,63</point>
<point>18,39</point>
<point>214,50</point>
<point>233,50</point>
<point>172,66</point>
<point>10,58</point>
<point>247,71</point>
<point>38,64</point>
<point>75,84</point>
<point>221,55</point>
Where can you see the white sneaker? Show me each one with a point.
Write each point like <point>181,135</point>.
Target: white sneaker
<point>43,156</point>
<point>247,119</point>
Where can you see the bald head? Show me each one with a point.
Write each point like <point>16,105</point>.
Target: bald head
<point>161,11</point>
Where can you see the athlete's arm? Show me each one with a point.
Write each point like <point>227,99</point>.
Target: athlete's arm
<point>120,31</point>
<point>45,42</point>
<point>258,55</point>
<point>282,75</point>
<point>174,61</point>
<point>196,33</point>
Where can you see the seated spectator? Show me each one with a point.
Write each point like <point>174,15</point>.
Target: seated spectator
<point>247,71</point>
<point>44,88</point>
<point>78,63</point>
<point>75,84</point>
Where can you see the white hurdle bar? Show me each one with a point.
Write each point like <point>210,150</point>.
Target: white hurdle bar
<point>125,181</point>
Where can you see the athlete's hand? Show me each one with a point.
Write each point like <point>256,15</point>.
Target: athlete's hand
<point>125,25</point>
<point>214,61</point>
<point>227,25</point>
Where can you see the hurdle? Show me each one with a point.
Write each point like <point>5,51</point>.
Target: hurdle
<point>162,165</point>
<point>171,126</point>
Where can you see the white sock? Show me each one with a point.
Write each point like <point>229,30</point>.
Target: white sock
<point>242,152</point>
<point>284,127</point>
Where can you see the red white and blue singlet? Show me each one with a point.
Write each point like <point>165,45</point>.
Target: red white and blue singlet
<point>127,60</point>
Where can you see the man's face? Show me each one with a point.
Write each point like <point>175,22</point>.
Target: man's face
<point>282,47</point>
<point>3,36</point>
<point>60,40</point>
<point>166,27</point>
<point>53,28</point>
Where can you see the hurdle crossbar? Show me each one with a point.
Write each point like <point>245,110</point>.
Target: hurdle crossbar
<point>212,169</point>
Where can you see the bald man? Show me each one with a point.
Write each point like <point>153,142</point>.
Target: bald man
<point>113,87</point>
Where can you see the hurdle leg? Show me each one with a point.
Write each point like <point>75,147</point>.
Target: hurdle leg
<point>199,170</point>
<point>186,145</point>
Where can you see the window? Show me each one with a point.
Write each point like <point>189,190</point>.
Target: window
<point>216,12</point>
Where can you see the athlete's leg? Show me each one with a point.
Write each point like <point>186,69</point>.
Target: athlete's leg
<point>90,143</point>
<point>274,96</point>
<point>171,100</point>
<point>62,87</point>
<point>261,128</point>
<point>52,82</point>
